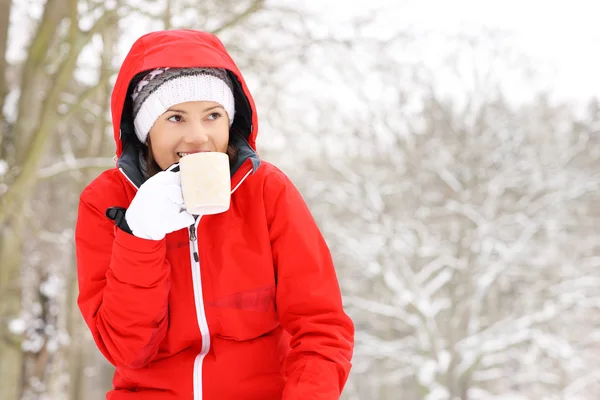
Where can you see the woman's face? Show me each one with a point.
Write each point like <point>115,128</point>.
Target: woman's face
<point>189,127</point>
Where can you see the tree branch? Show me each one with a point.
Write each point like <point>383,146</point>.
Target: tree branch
<point>167,17</point>
<point>18,189</point>
<point>5,7</point>
<point>74,165</point>
<point>83,97</point>
<point>34,64</point>
<point>254,7</point>
<point>129,9</point>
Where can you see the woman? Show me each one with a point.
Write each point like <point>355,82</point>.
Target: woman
<point>243,304</point>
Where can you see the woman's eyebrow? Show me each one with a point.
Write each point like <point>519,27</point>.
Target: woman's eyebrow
<point>212,108</point>
<point>177,111</point>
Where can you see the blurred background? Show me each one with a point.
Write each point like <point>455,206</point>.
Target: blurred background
<point>449,150</point>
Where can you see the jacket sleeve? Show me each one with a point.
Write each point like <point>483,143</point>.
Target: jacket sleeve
<point>123,286</point>
<point>308,298</point>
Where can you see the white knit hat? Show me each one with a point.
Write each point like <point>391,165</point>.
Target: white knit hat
<point>162,88</point>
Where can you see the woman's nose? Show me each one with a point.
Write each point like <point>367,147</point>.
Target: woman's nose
<point>196,134</point>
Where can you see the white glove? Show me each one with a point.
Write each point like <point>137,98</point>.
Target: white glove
<point>157,208</point>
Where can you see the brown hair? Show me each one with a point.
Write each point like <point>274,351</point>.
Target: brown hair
<point>153,168</point>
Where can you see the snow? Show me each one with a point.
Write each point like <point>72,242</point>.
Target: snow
<point>33,344</point>
<point>17,326</point>
<point>426,375</point>
<point>3,167</point>
<point>438,393</point>
<point>10,105</point>
<point>52,287</point>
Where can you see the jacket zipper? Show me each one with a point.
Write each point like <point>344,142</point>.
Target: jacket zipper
<point>198,297</point>
<point>200,313</point>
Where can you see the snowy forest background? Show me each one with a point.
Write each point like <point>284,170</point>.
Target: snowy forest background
<point>453,170</point>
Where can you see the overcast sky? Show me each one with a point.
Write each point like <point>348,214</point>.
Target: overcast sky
<point>561,37</point>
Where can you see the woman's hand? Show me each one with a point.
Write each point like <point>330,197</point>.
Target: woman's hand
<point>157,208</point>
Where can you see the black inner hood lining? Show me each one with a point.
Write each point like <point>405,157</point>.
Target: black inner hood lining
<point>239,132</point>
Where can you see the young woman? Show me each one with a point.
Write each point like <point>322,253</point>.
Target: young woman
<point>244,304</point>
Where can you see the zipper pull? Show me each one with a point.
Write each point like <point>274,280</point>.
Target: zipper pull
<point>193,239</point>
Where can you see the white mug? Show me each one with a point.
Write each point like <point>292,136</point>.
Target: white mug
<point>205,182</point>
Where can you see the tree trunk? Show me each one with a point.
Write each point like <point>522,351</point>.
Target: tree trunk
<point>79,351</point>
<point>5,7</point>
<point>11,237</point>
<point>36,124</point>
<point>76,332</point>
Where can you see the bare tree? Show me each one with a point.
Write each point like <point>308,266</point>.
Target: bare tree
<point>462,232</point>
<point>45,77</point>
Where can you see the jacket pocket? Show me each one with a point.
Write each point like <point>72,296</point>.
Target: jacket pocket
<point>246,315</point>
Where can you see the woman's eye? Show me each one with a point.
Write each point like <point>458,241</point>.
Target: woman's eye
<point>214,116</point>
<point>175,118</point>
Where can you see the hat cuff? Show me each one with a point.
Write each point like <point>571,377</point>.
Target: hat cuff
<point>201,87</point>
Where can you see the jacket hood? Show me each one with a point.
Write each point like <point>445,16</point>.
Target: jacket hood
<point>179,49</point>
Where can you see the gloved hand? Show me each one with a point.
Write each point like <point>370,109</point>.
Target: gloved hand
<point>157,208</point>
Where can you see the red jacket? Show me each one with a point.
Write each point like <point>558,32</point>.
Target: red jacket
<point>242,305</point>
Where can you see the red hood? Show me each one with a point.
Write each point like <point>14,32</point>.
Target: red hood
<point>177,49</point>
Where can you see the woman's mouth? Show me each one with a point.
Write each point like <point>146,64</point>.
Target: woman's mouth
<point>183,153</point>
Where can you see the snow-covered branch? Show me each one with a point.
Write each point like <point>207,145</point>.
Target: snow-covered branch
<point>65,166</point>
